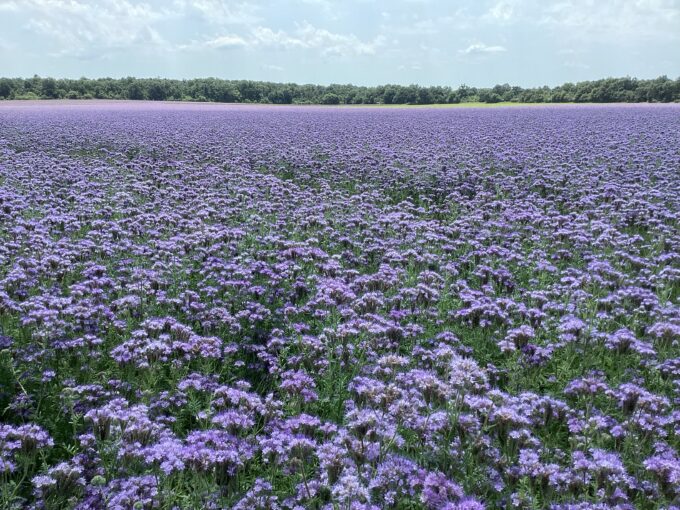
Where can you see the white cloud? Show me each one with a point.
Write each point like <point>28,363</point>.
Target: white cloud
<point>615,20</point>
<point>480,48</point>
<point>412,25</point>
<point>330,43</point>
<point>573,33</point>
<point>305,37</point>
<point>89,29</point>
<point>8,5</point>
<point>501,11</point>
<point>265,36</point>
<point>226,41</point>
<point>219,12</point>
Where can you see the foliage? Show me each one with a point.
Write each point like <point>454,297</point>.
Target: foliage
<point>623,90</point>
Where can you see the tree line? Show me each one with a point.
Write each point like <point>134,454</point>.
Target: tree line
<point>627,90</point>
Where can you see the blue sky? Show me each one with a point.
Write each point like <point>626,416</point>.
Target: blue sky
<point>429,42</point>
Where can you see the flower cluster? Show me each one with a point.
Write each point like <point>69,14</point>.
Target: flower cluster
<point>249,307</point>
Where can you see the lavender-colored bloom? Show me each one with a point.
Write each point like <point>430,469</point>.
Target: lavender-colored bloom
<point>259,307</point>
<point>135,493</point>
<point>25,440</point>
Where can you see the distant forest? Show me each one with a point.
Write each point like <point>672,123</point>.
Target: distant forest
<point>627,90</point>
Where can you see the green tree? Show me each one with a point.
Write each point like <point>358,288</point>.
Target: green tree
<point>330,98</point>
<point>49,88</point>
<point>136,91</point>
<point>625,89</point>
<point>157,90</point>
<point>6,88</point>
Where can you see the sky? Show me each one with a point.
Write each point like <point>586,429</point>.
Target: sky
<point>428,42</point>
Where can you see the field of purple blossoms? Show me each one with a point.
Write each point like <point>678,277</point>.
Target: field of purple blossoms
<point>286,308</point>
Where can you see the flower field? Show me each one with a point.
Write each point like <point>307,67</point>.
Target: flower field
<point>252,307</point>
